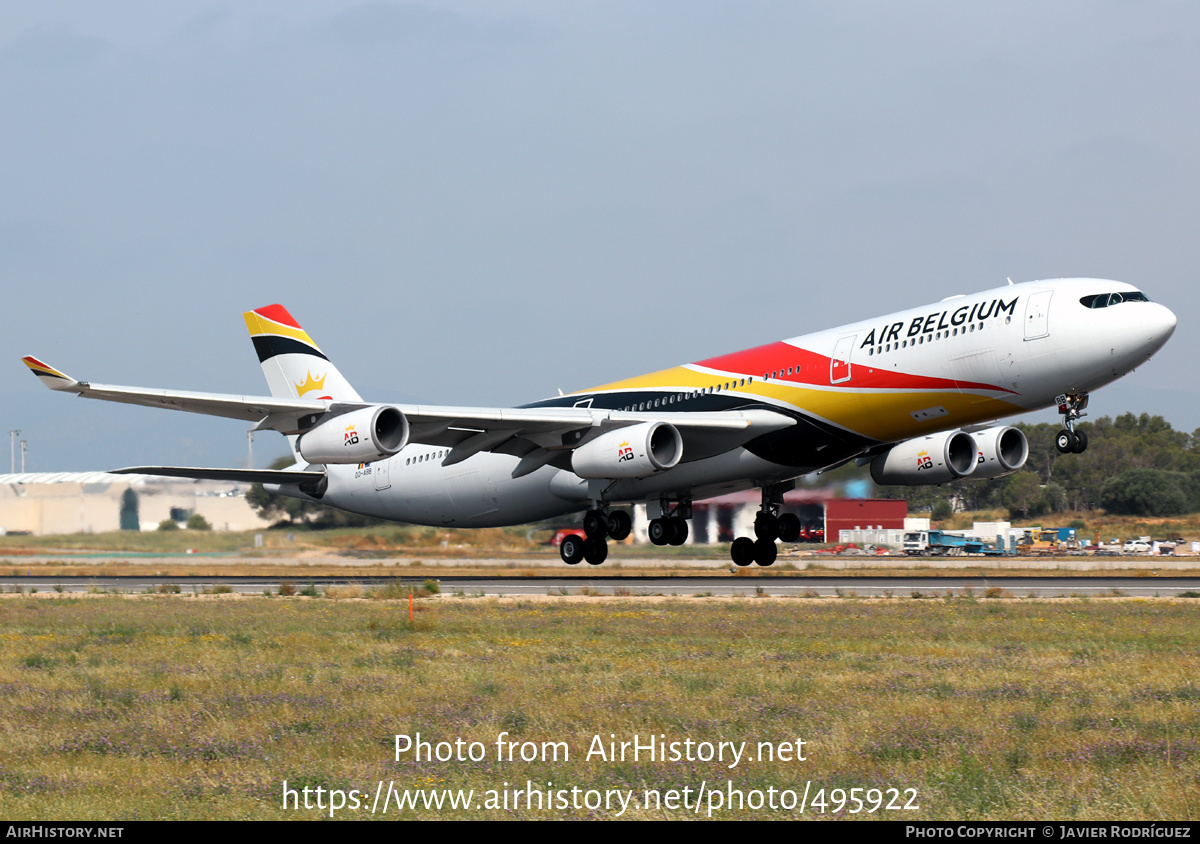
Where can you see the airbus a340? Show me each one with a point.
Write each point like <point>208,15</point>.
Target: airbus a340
<point>915,394</point>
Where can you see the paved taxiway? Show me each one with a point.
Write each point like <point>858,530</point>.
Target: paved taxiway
<point>780,586</point>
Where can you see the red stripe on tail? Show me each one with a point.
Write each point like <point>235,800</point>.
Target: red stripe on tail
<point>279,314</point>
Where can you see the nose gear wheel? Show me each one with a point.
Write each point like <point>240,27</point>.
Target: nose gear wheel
<point>1070,407</point>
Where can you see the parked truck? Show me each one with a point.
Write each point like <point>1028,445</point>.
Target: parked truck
<point>933,543</point>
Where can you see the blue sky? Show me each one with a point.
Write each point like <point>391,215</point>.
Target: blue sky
<point>479,203</point>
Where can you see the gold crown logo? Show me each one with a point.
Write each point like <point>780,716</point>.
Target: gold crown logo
<point>309,384</point>
<point>625,444</point>
<point>349,427</point>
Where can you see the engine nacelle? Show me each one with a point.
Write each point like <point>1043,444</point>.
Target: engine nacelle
<point>637,451</point>
<point>1002,451</point>
<point>361,436</point>
<point>935,459</point>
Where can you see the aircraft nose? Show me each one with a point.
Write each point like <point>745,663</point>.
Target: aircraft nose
<point>1169,320</point>
<point>1163,322</point>
<point>1157,325</point>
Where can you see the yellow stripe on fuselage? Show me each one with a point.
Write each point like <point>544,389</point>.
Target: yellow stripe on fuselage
<point>883,415</point>
<point>664,379</point>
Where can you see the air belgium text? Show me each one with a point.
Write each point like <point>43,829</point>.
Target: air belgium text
<point>941,320</point>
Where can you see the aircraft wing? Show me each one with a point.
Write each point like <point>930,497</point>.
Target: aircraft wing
<point>251,476</point>
<point>272,413</point>
<point>546,435</point>
<point>539,435</point>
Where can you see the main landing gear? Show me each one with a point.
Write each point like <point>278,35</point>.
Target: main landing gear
<point>599,526</point>
<point>769,525</point>
<point>1068,440</point>
<point>671,529</point>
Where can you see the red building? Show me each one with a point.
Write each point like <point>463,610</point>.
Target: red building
<point>725,517</point>
<point>863,513</point>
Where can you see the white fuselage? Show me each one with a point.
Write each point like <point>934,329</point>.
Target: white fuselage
<point>962,361</point>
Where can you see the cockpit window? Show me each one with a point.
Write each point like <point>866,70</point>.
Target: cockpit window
<point>1104,300</point>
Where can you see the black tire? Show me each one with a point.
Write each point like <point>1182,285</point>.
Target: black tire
<point>789,527</point>
<point>1065,441</point>
<point>571,549</point>
<point>766,527</point>
<point>765,552</point>
<point>742,551</point>
<point>620,524</point>
<point>679,530</point>
<point>659,531</point>
<point>595,524</point>
<point>1080,443</point>
<point>595,551</point>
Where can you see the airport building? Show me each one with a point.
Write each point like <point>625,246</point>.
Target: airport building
<point>97,502</point>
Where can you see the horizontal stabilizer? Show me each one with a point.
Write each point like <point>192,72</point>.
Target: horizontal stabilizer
<point>254,476</point>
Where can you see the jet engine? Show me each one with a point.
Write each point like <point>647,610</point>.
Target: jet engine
<point>1002,451</point>
<point>361,436</point>
<point>637,451</point>
<point>935,459</point>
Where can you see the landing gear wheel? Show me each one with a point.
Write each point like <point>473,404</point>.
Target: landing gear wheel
<point>595,551</point>
<point>571,549</point>
<point>789,527</point>
<point>620,523</point>
<point>679,530</point>
<point>765,552</point>
<point>742,551</point>
<point>766,527</point>
<point>1071,407</point>
<point>659,531</point>
<point>1080,443</point>
<point>1065,442</point>
<point>595,524</point>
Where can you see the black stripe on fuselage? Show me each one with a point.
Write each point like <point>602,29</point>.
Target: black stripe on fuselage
<point>643,401</point>
<point>809,444</point>
<point>269,345</point>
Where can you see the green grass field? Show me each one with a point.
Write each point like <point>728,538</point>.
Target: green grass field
<point>180,707</point>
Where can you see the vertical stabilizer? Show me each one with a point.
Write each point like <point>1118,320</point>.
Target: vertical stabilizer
<point>295,367</point>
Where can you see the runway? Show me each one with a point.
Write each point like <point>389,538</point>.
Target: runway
<point>625,585</point>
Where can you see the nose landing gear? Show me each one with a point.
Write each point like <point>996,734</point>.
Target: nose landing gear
<point>1068,440</point>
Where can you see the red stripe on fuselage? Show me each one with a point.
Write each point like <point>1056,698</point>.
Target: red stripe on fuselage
<point>810,368</point>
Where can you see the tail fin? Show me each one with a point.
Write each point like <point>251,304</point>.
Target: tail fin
<point>294,366</point>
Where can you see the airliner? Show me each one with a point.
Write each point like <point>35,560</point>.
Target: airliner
<point>915,395</point>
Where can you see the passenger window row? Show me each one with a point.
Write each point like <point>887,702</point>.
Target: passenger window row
<point>927,338</point>
<point>679,397</point>
<point>423,458</point>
